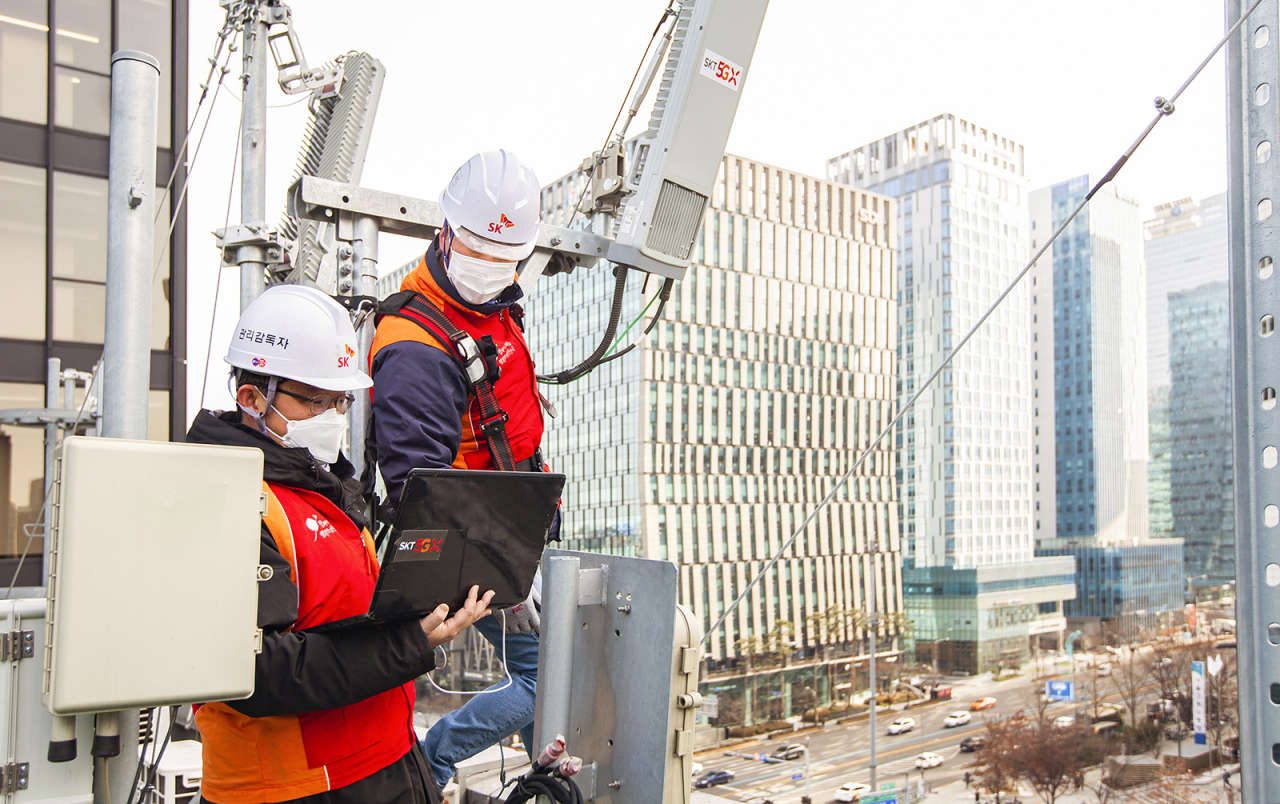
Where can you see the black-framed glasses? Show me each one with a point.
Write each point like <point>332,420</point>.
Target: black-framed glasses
<point>323,401</point>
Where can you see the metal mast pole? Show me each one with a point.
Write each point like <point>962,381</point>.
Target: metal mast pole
<point>253,146</point>
<point>1253,187</point>
<point>364,283</point>
<point>126,351</point>
<point>875,640</point>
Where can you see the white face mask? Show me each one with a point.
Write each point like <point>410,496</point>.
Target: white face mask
<point>322,434</point>
<point>479,281</point>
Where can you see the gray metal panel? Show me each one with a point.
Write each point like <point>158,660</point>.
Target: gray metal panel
<point>693,112</point>
<point>152,574</point>
<point>621,692</point>
<point>26,727</point>
<point>1255,300</point>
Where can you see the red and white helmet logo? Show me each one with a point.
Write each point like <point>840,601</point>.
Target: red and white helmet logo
<point>503,223</point>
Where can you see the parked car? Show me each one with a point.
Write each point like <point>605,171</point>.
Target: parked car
<point>852,791</point>
<point>902,725</point>
<point>1104,669</point>
<point>956,719</point>
<point>974,743</point>
<point>1064,722</point>
<point>792,751</point>
<point>697,769</point>
<point>983,703</point>
<point>928,760</point>
<point>713,778</point>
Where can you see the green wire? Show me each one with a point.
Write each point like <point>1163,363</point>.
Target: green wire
<point>620,338</point>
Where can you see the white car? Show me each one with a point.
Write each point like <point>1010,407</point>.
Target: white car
<point>852,791</point>
<point>697,769</point>
<point>928,760</point>
<point>956,719</point>
<point>1064,722</point>
<point>902,725</point>
<point>1104,669</point>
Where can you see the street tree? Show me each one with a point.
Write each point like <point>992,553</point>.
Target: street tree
<point>1130,678</point>
<point>1049,758</point>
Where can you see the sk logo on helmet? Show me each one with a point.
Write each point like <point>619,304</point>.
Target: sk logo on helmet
<point>259,362</point>
<point>503,223</point>
<point>344,361</point>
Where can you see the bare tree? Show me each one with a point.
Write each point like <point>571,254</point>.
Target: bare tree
<point>1049,758</point>
<point>1130,679</point>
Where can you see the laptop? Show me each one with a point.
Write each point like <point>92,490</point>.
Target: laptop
<point>455,529</point>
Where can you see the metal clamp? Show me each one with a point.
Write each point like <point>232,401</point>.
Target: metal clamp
<point>249,243</point>
<point>16,645</point>
<point>14,777</point>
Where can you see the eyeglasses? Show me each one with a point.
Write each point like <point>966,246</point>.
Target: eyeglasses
<point>322,402</point>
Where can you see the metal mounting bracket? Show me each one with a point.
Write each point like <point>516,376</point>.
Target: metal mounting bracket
<point>330,201</point>
<point>16,645</point>
<point>14,777</point>
<point>249,243</point>
<point>65,417</point>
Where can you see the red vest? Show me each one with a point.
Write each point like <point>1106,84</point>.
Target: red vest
<point>517,386</point>
<point>251,760</point>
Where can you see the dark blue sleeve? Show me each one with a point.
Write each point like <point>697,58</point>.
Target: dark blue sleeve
<point>419,398</point>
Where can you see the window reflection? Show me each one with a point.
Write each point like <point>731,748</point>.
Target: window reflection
<point>21,471</point>
<point>22,239</point>
<point>82,101</point>
<point>145,25</point>
<point>84,34</point>
<point>24,47</point>
<point>79,311</point>
<point>79,227</point>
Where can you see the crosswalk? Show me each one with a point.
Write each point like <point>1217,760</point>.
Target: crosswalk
<point>754,778</point>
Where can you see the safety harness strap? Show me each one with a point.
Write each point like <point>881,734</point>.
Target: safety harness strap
<point>477,359</point>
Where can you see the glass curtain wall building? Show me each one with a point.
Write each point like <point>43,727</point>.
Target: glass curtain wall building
<point>1200,425</point>
<point>964,451</point>
<point>710,443</point>
<point>54,131</point>
<point>1089,367</point>
<point>1186,247</point>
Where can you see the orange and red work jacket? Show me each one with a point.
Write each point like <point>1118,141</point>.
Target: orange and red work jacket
<point>255,760</point>
<point>516,389</point>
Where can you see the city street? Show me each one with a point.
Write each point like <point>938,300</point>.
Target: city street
<point>840,753</point>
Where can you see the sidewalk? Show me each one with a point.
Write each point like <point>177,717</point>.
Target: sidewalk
<point>1206,788</point>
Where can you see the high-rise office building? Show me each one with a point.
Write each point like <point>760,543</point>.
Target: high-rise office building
<point>55,86</point>
<point>1185,249</point>
<point>710,442</point>
<point>1089,367</point>
<point>964,449</point>
<point>1089,416</point>
<point>1200,426</point>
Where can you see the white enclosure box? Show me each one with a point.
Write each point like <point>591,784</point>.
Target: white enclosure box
<point>152,574</point>
<point>26,728</point>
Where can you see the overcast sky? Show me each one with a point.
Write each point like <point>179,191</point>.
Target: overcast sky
<point>1074,82</point>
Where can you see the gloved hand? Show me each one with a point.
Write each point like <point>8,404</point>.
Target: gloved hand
<point>521,618</point>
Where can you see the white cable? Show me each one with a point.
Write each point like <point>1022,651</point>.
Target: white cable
<point>507,672</point>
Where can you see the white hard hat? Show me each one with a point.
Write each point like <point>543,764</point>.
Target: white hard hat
<point>492,205</point>
<point>298,333</point>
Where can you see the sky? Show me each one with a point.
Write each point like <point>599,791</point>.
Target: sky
<point>1073,82</point>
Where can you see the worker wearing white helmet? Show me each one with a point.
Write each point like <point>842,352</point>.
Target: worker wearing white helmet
<point>437,408</point>
<point>331,714</point>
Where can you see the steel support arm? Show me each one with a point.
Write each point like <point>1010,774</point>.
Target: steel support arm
<point>330,201</point>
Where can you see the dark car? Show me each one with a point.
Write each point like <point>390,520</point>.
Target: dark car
<point>713,778</point>
<point>971,743</point>
<point>789,752</point>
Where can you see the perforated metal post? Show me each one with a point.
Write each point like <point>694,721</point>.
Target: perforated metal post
<point>1254,186</point>
<point>364,283</point>
<point>253,146</point>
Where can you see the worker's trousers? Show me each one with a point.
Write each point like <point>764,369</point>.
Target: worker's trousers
<point>492,715</point>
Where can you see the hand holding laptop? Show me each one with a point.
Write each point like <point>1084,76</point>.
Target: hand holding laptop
<point>441,628</point>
